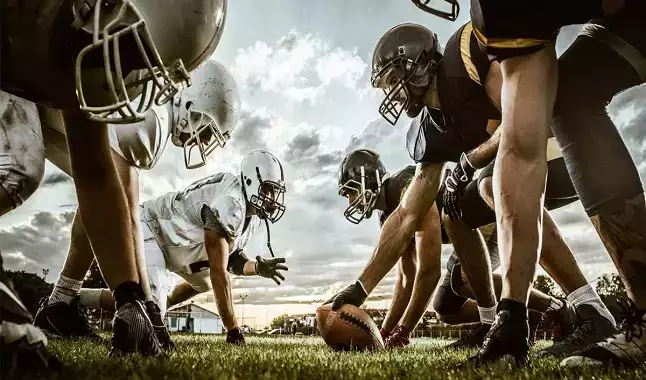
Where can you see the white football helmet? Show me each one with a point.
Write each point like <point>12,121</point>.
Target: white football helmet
<point>205,114</point>
<point>141,44</point>
<point>264,184</point>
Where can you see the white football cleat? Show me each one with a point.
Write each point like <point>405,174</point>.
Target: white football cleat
<point>627,348</point>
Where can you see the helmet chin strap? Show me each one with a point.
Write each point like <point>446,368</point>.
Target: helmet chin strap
<point>269,238</point>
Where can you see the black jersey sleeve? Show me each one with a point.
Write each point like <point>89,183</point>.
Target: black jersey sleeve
<point>428,144</point>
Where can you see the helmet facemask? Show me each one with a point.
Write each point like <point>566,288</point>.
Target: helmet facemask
<point>198,134</point>
<point>269,200</point>
<point>450,14</point>
<point>158,81</point>
<point>364,199</point>
<point>404,82</point>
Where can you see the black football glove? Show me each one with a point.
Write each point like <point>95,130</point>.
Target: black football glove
<point>353,294</point>
<point>234,336</point>
<point>450,202</point>
<point>460,177</point>
<point>158,324</point>
<point>269,268</point>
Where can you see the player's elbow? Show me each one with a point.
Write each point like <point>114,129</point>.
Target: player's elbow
<point>408,219</point>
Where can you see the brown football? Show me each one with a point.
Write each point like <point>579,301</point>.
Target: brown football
<point>348,328</point>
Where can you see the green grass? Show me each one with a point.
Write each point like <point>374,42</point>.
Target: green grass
<point>208,357</point>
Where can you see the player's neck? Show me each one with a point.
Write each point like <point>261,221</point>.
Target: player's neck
<point>381,199</point>
<point>431,98</point>
<point>250,211</point>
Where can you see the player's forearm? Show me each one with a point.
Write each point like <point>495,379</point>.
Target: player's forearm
<point>428,245</point>
<point>485,152</point>
<point>395,234</point>
<point>403,291</point>
<point>223,298</point>
<point>182,292</point>
<point>425,283</point>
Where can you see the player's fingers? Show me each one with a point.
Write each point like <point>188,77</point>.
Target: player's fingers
<point>281,267</point>
<point>279,260</point>
<point>279,275</point>
<point>275,280</point>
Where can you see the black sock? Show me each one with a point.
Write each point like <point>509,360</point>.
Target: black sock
<point>127,292</point>
<point>515,308</point>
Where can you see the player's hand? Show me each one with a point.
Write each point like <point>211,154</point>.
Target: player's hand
<point>354,294</point>
<point>460,177</point>
<point>234,336</point>
<point>451,203</point>
<point>158,324</point>
<point>269,268</point>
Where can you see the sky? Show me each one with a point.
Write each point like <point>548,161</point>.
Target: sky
<point>303,71</point>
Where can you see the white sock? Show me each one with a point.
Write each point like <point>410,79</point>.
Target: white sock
<point>91,298</point>
<point>487,314</point>
<point>554,305</point>
<point>586,295</point>
<point>65,290</point>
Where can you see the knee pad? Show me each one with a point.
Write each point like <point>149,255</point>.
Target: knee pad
<point>446,302</point>
<point>22,152</point>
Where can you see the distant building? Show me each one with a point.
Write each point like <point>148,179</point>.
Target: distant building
<point>194,319</point>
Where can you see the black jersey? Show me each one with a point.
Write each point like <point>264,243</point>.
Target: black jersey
<point>465,105</point>
<point>510,28</point>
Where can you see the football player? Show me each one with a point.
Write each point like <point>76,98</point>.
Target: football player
<point>417,78</point>
<point>201,118</point>
<point>363,179</point>
<point>529,74</point>
<point>90,60</point>
<point>201,232</point>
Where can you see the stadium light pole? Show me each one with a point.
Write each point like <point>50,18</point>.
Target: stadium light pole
<point>243,298</point>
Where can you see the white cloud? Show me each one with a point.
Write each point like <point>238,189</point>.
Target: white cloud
<point>299,67</point>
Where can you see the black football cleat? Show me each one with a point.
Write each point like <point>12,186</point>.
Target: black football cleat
<point>64,321</point>
<point>561,322</point>
<point>508,336</point>
<point>133,332</point>
<point>591,328</point>
<point>473,339</point>
<point>158,324</point>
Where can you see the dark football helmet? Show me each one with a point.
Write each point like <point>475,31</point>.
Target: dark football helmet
<point>361,175</point>
<point>404,62</point>
<point>450,14</point>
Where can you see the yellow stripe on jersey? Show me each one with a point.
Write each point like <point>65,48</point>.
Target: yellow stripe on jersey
<point>465,52</point>
<point>507,43</point>
<point>553,149</point>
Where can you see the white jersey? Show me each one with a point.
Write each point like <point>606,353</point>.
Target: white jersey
<point>142,144</point>
<point>175,219</point>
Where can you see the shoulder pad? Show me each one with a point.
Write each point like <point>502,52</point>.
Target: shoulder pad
<point>416,137</point>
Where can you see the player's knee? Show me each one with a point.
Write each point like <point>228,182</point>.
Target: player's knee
<point>444,311</point>
<point>485,188</point>
<point>446,221</point>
